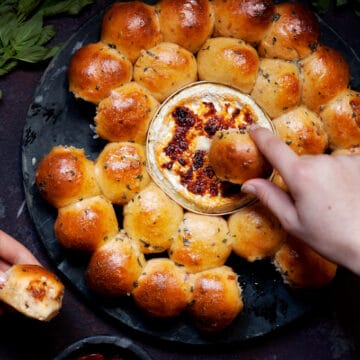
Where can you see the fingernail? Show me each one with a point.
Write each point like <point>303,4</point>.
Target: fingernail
<point>3,278</point>
<point>253,126</point>
<point>248,189</point>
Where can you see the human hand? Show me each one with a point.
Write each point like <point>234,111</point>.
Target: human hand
<point>322,206</point>
<point>12,252</point>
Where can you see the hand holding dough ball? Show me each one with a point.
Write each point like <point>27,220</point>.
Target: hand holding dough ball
<point>130,27</point>
<point>152,218</point>
<point>115,266</point>
<point>65,176</point>
<point>95,69</point>
<point>235,158</point>
<point>216,299</point>
<point>163,288</point>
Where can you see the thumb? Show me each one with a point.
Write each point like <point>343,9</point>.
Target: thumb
<point>277,200</point>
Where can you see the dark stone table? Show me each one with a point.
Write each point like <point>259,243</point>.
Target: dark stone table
<point>330,332</point>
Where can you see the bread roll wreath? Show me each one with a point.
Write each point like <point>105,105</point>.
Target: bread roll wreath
<point>172,260</point>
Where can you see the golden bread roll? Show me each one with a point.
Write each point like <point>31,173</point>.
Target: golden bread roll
<point>325,74</point>
<point>341,117</point>
<point>293,34</point>
<point>229,61</point>
<point>162,289</point>
<point>303,130</point>
<point>202,242</point>
<point>165,68</point>
<point>234,157</point>
<point>243,19</point>
<point>65,175</point>
<point>33,291</point>
<point>188,23</point>
<point>120,171</point>
<point>95,69</point>
<point>152,218</point>
<point>302,267</point>
<point>125,114</point>
<point>256,233</point>
<point>350,151</point>
<point>115,266</point>
<point>130,27</point>
<point>278,180</point>
<point>278,87</point>
<point>216,299</point>
<point>84,224</point>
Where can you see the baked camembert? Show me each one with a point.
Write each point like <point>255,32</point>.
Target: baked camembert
<point>179,139</point>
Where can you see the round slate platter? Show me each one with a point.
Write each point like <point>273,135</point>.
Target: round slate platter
<point>56,118</point>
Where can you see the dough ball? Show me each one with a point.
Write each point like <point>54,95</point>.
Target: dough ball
<point>165,68</point>
<point>302,267</point>
<point>293,34</point>
<point>120,171</point>
<point>65,176</point>
<point>234,157</point>
<point>248,20</point>
<point>341,117</point>
<point>115,266</point>
<point>95,69</point>
<point>229,61</point>
<point>130,27</point>
<point>278,87</point>
<point>125,114</point>
<point>325,74</point>
<point>163,289</point>
<point>202,242</point>
<point>85,223</point>
<point>188,23</point>
<point>152,219</point>
<point>216,300</point>
<point>350,151</point>
<point>303,130</point>
<point>256,233</point>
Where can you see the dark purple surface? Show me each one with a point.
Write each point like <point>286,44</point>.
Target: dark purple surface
<point>332,332</point>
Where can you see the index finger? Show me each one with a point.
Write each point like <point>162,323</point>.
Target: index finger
<point>279,155</point>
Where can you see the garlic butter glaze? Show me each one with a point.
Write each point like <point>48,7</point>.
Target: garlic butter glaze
<point>179,139</point>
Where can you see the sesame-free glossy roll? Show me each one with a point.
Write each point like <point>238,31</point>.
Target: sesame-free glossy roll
<point>95,69</point>
<point>84,224</point>
<point>243,19</point>
<point>121,172</point>
<point>188,23</point>
<point>65,175</point>
<point>130,27</point>
<point>341,117</point>
<point>293,34</point>
<point>325,74</point>
<point>125,114</point>
<point>216,299</point>
<point>278,86</point>
<point>162,289</point>
<point>115,266</point>
<point>228,61</point>
<point>152,219</point>
<point>164,69</point>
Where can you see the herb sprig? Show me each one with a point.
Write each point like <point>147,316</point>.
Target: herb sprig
<point>23,35</point>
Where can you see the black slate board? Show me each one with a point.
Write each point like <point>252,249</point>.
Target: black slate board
<point>55,118</point>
